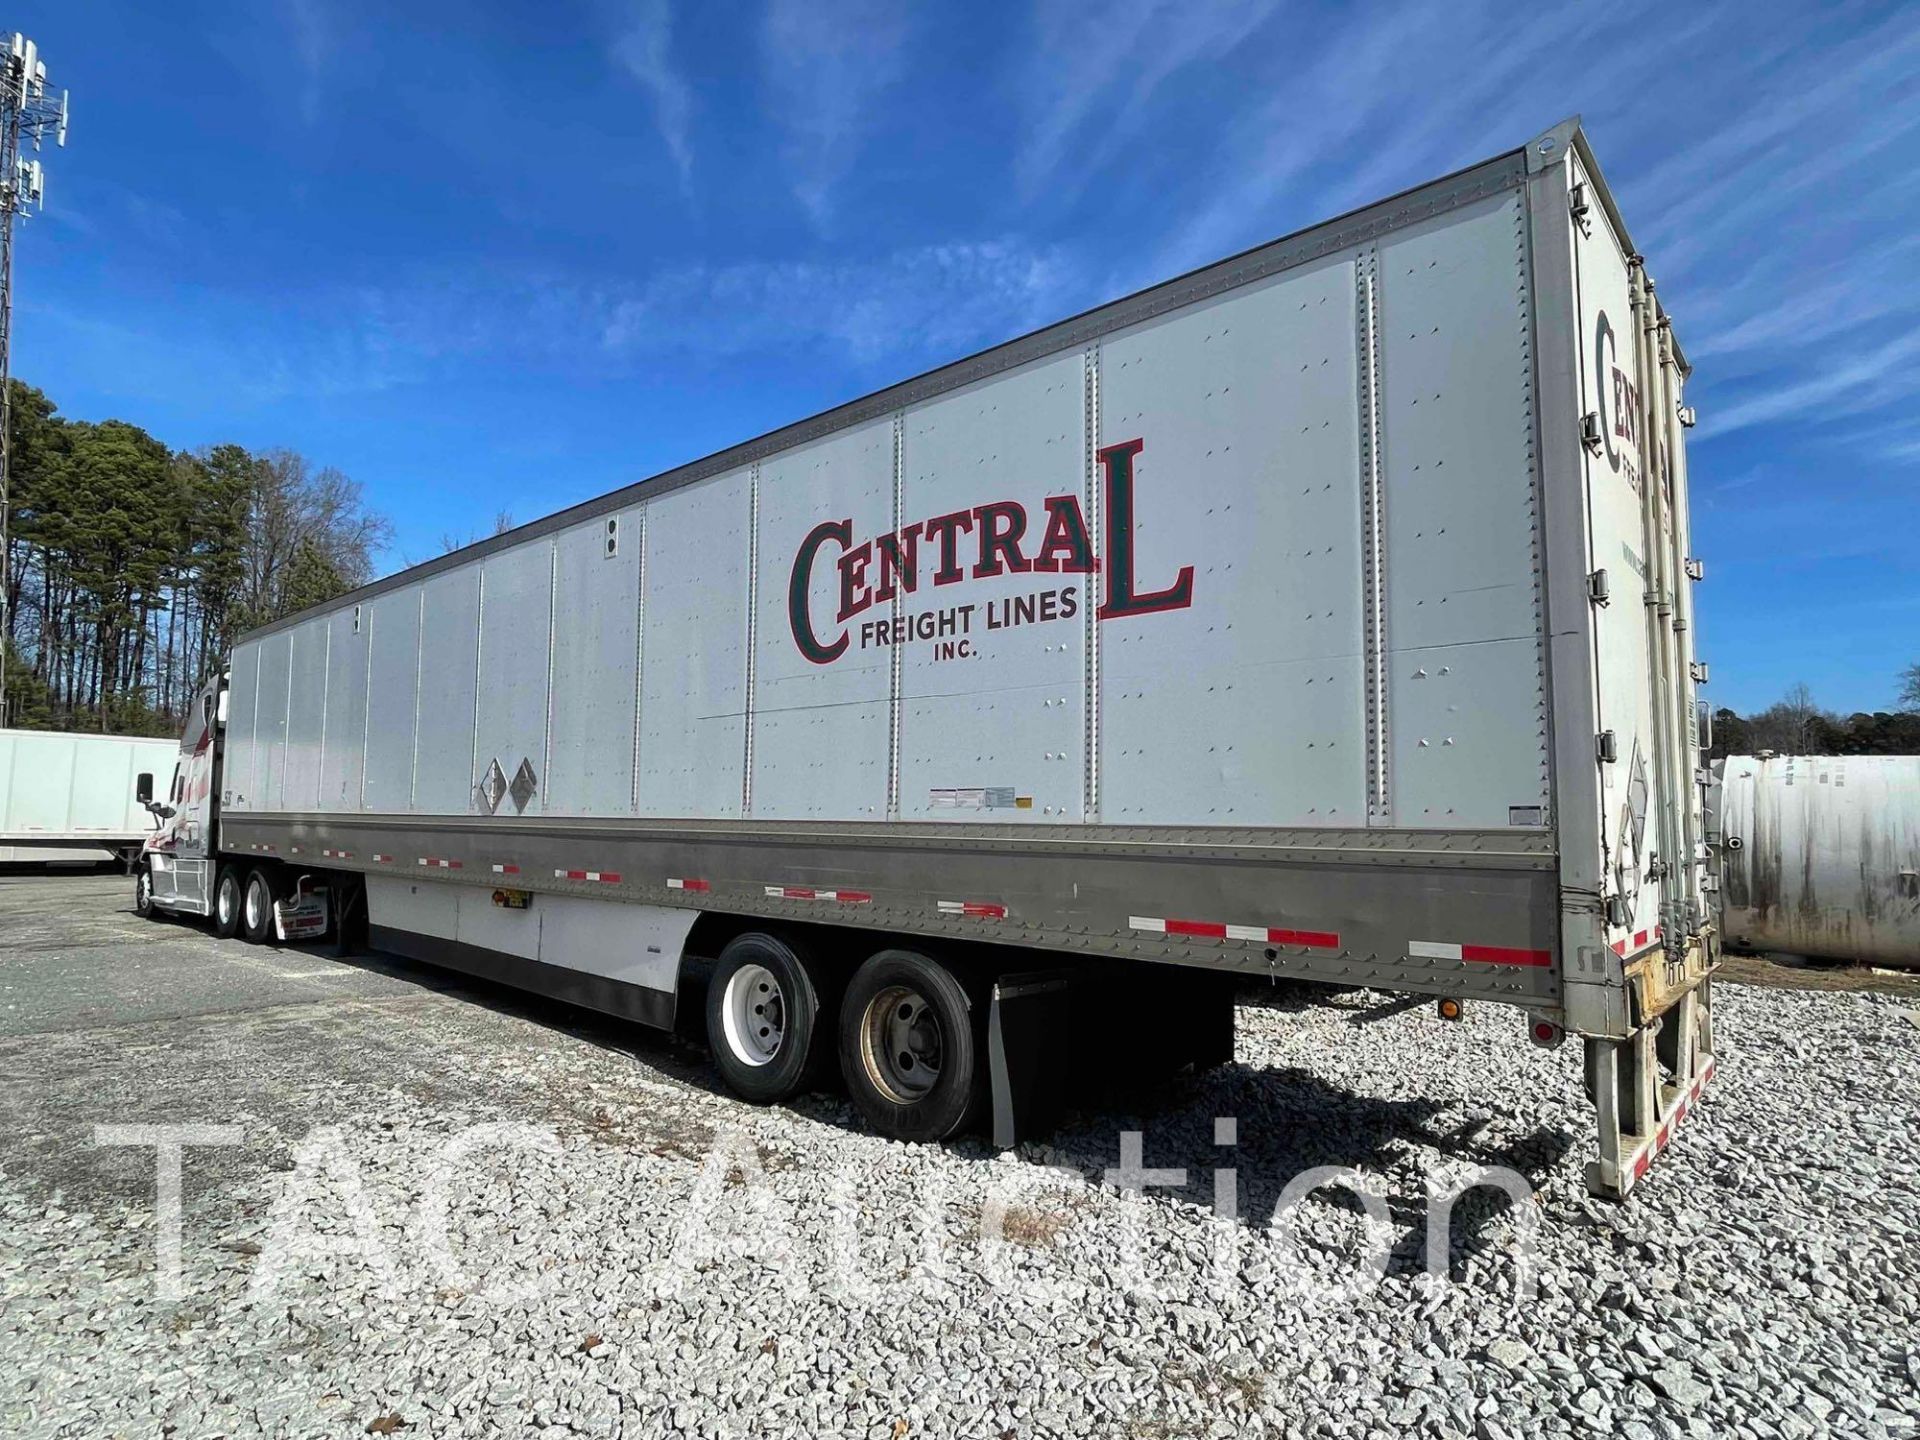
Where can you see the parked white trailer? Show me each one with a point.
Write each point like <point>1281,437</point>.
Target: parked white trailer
<point>1820,855</point>
<point>1321,613</point>
<point>69,799</point>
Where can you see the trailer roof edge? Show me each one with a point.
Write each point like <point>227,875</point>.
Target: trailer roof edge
<point>1434,197</point>
<point>1550,147</point>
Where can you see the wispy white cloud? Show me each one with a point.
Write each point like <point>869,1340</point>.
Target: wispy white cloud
<point>1763,187</point>
<point>1810,302</point>
<point>1852,386</point>
<point>313,46</point>
<point>645,51</point>
<point>826,63</point>
<point>1105,62</point>
<point>883,317</point>
<point>926,303</point>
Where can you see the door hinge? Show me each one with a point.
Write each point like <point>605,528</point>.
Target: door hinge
<point>1580,208</point>
<point>1618,912</point>
<point>1688,417</point>
<point>1598,590</point>
<point>1698,670</point>
<point>1608,748</point>
<point>1590,432</point>
<point>1696,569</point>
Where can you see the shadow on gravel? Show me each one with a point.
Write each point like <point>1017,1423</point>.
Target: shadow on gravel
<point>1290,1120</point>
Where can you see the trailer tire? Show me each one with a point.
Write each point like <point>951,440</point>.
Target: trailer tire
<point>256,909</point>
<point>764,1019</point>
<point>226,903</point>
<point>910,1047</point>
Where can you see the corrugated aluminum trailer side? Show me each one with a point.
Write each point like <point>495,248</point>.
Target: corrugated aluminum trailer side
<point>1246,625</point>
<point>68,799</point>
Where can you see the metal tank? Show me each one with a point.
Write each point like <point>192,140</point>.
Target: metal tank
<point>1820,855</point>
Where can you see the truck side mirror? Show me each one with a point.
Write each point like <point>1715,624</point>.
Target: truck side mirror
<point>143,787</point>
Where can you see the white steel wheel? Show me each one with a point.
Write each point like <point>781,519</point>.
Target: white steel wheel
<point>763,1017</point>
<point>753,1015</point>
<point>902,1044</point>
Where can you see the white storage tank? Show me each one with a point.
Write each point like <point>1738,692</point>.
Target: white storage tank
<point>1820,855</point>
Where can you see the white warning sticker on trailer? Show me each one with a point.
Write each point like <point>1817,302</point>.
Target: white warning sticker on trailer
<point>978,797</point>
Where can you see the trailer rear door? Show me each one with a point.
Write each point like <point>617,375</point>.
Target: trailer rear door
<point>1646,740</point>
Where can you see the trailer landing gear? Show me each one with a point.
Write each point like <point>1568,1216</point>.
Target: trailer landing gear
<point>1644,1086</point>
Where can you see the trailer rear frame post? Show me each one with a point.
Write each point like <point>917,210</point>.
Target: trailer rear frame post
<point>1638,1108</point>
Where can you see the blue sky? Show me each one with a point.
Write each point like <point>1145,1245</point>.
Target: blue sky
<point>487,257</point>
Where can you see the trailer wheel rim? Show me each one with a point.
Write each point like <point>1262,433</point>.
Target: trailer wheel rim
<point>254,908</point>
<point>902,1044</point>
<point>224,899</point>
<point>753,1013</point>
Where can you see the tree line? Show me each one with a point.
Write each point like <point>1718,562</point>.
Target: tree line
<point>1797,724</point>
<point>133,567</point>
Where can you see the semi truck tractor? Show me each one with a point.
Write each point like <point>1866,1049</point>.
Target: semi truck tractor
<point>1323,613</point>
<point>67,799</point>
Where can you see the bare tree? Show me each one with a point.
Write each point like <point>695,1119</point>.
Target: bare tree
<point>315,517</point>
<point>449,542</point>
<point>1793,724</point>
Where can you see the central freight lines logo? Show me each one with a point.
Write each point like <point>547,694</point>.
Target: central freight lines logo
<point>876,571</point>
<point>1619,402</point>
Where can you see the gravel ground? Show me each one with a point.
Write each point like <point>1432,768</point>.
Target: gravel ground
<point>627,1251</point>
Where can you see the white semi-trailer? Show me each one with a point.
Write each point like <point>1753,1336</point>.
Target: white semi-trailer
<point>68,799</point>
<point>1323,613</point>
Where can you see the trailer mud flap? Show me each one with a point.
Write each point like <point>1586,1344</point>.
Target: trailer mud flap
<point>1027,1059</point>
<point>302,916</point>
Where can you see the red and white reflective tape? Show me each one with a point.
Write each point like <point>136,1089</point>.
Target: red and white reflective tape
<point>976,909</point>
<point>338,854</point>
<point>506,869</point>
<point>1643,1157</point>
<point>1478,954</point>
<point>802,892</point>
<point>699,885</point>
<point>383,859</point>
<point>434,863</point>
<point>1641,939</point>
<point>1214,930</point>
<point>605,877</point>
